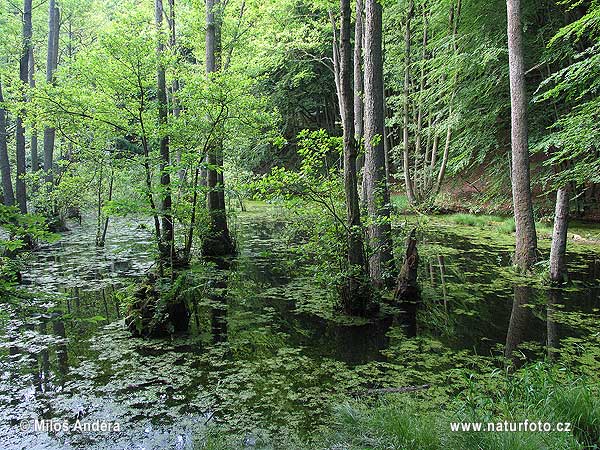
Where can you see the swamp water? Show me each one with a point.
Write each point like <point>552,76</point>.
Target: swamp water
<point>266,354</point>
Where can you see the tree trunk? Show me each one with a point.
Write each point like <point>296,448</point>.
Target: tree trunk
<point>407,178</point>
<point>407,288</point>
<point>35,162</point>
<point>359,79</point>
<point>558,265</point>
<point>51,63</point>
<point>356,295</point>
<point>165,178</point>
<point>454,20</point>
<point>176,107</point>
<point>377,195</point>
<point>20,190</point>
<point>526,238</point>
<point>219,241</point>
<point>407,296</point>
<point>7,187</point>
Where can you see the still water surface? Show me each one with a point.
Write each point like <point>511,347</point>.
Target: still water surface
<point>264,353</point>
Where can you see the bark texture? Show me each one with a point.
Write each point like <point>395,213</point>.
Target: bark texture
<point>356,295</point>
<point>219,241</point>
<point>51,63</point>
<point>558,265</point>
<point>410,193</point>
<point>35,161</point>
<point>526,239</point>
<point>7,187</point>
<point>20,190</point>
<point>165,178</point>
<point>377,194</point>
<point>359,89</point>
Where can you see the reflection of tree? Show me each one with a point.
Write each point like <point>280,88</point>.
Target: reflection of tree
<point>442,265</point>
<point>58,326</point>
<point>218,298</point>
<point>518,322</point>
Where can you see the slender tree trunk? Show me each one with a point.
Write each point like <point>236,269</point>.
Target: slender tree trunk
<point>526,238</point>
<point>51,63</point>
<point>377,198</point>
<point>35,162</point>
<point>359,79</point>
<point>558,265</point>
<point>176,108</point>
<point>7,187</point>
<point>454,20</point>
<point>165,178</point>
<point>420,157</point>
<point>355,298</point>
<point>219,241</point>
<point>407,36</point>
<point>335,50</point>
<point>20,190</point>
<point>110,194</point>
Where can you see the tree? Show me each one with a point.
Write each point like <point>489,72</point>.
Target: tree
<point>35,162</point>
<point>20,189</point>
<point>558,263</point>
<point>219,242</point>
<point>358,77</point>
<point>526,238</point>
<point>355,297</point>
<point>167,249</point>
<point>51,64</point>
<point>407,178</point>
<point>7,187</point>
<point>377,194</point>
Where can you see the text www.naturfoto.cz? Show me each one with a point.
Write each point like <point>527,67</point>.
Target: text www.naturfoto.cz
<point>526,425</point>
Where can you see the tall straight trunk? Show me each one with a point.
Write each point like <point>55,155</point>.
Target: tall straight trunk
<point>407,36</point>
<point>176,108</point>
<point>35,162</point>
<point>454,20</point>
<point>335,51</point>
<point>7,187</point>
<point>51,63</point>
<point>20,189</point>
<point>165,178</point>
<point>526,238</point>
<point>558,265</point>
<point>377,194</point>
<point>358,78</point>
<point>219,241</point>
<point>355,297</point>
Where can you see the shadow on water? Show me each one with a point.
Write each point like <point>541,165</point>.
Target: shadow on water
<point>260,354</point>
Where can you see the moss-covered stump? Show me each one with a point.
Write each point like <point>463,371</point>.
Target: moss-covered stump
<point>152,314</point>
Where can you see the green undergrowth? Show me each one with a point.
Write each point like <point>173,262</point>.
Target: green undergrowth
<point>538,392</point>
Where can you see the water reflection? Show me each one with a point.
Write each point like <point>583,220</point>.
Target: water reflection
<point>218,301</point>
<point>276,360</point>
<point>519,318</point>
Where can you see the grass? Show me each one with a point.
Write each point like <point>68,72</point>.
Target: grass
<point>539,392</point>
<point>504,225</point>
<point>534,393</point>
